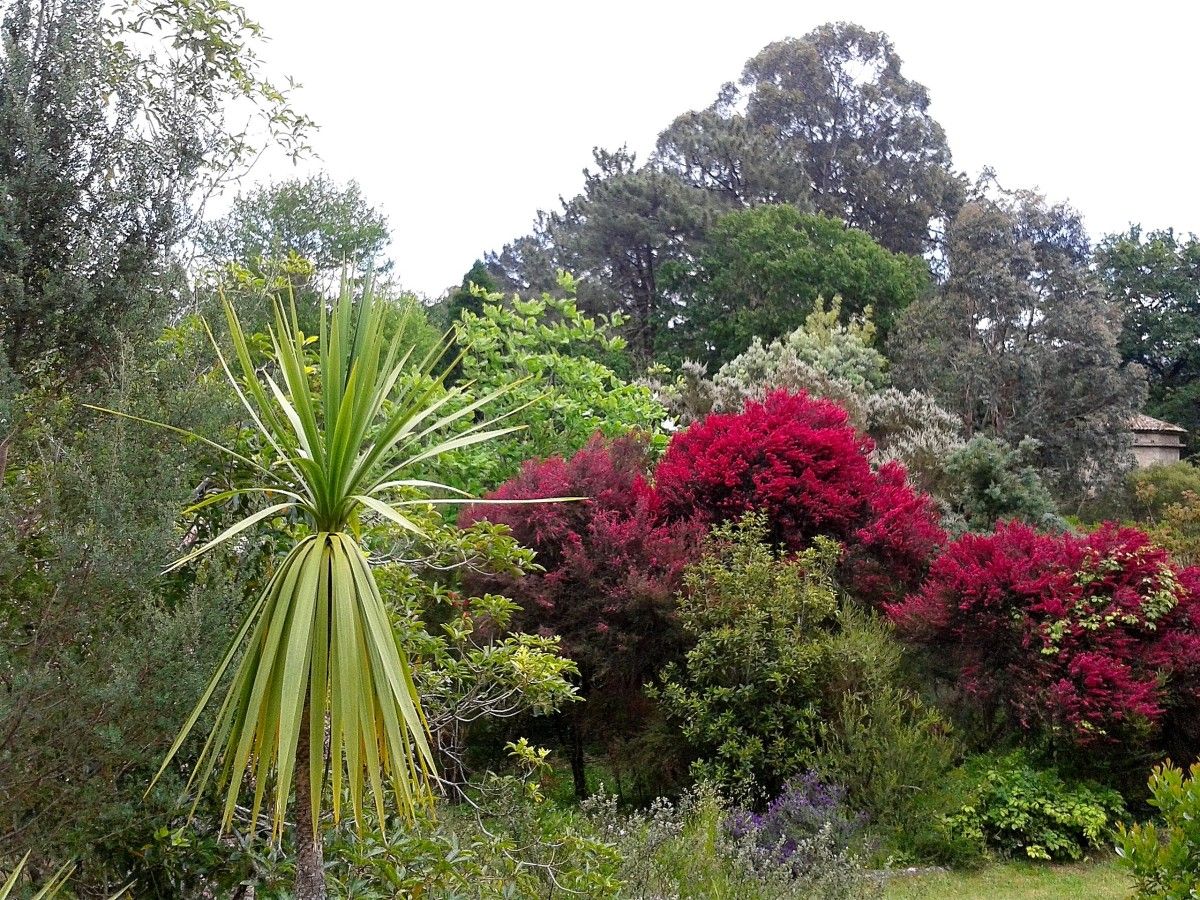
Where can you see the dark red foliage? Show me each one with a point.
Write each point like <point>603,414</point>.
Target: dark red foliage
<point>798,460</point>
<point>1095,638</point>
<point>611,571</point>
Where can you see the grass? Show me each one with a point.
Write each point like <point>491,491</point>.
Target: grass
<point>1017,881</point>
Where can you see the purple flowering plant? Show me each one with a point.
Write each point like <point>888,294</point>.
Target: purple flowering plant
<point>806,806</point>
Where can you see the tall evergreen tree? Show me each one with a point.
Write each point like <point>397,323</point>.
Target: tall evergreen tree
<point>1020,341</point>
<point>463,298</point>
<point>838,103</point>
<point>718,150</point>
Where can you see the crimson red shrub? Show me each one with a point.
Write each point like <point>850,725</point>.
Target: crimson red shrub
<point>798,460</point>
<point>1094,638</point>
<point>611,570</point>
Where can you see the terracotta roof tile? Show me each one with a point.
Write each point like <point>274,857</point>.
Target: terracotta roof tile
<point>1142,422</point>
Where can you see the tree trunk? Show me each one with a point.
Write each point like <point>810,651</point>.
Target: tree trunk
<point>310,855</point>
<point>578,772</point>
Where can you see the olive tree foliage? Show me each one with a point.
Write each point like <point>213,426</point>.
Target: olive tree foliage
<point>912,429</point>
<point>1020,342</point>
<point>115,126</point>
<point>1155,278</point>
<point>331,225</point>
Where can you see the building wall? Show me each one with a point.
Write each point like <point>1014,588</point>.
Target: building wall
<point>1155,448</point>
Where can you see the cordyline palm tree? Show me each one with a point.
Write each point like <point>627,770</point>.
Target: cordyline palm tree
<point>50,889</point>
<point>319,650</point>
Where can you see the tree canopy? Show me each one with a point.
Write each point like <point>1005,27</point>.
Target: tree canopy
<point>1155,278</point>
<point>1020,341</point>
<point>329,224</point>
<point>838,102</point>
<point>760,271</point>
<point>107,153</point>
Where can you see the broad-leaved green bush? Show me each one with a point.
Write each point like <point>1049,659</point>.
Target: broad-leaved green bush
<point>1164,857</point>
<point>571,391</point>
<point>1021,809</point>
<point>760,271</point>
<point>471,668</point>
<point>748,696</point>
<point>1178,530</point>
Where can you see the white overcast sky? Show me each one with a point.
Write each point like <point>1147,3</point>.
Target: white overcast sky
<point>460,120</point>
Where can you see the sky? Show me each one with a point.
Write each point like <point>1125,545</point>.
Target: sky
<point>460,120</point>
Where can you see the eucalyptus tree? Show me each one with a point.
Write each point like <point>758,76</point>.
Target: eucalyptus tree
<point>1020,342</point>
<point>321,685</point>
<point>838,101</point>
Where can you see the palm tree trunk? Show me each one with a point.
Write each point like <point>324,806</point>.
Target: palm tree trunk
<point>310,855</point>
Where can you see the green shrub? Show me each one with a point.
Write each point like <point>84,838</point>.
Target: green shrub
<point>929,836</point>
<point>1178,530</point>
<point>1145,494</point>
<point>748,697</point>
<point>1165,861</point>
<point>507,843</point>
<point>1153,489</point>
<point>569,387</point>
<point>1017,808</point>
<point>988,480</point>
<point>98,650</point>
<point>890,750</point>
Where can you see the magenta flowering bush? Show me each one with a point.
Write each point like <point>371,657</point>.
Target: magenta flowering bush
<point>1091,639</point>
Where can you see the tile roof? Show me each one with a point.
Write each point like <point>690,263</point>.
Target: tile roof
<point>1142,422</point>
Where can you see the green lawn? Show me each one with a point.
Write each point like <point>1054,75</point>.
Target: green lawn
<point>1017,881</point>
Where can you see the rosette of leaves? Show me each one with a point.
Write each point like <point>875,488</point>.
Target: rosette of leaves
<point>322,685</point>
